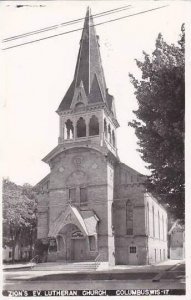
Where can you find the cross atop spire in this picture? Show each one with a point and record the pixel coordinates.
(89, 71)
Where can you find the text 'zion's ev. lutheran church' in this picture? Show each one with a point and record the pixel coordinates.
(91, 204)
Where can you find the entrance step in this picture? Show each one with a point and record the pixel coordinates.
(87, 266)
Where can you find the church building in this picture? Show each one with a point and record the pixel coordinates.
(91, 204)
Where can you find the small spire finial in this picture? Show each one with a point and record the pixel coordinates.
(89, 10)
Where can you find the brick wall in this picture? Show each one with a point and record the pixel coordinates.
(77, 168)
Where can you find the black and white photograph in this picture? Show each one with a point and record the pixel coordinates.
(93, 149)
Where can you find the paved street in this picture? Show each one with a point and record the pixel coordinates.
(84, 284)
(140, 277)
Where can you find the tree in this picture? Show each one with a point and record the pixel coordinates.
(159, 125)
(19, 215)
(31, 230)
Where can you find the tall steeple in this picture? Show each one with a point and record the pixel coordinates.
(87, 111)
(89, 75)
(88, 67)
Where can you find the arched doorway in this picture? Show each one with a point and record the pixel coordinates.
(72, 244)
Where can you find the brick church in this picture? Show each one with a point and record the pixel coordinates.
(91, 204)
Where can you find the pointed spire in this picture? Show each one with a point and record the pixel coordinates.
(88, 69)
(89, 60)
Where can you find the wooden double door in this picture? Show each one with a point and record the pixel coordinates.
(78, 249)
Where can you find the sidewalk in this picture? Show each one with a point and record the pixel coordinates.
(162, 266)
(18, 266)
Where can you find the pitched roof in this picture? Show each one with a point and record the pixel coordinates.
(88, 70)
(67, 100)
(86, 221)
(95, 92)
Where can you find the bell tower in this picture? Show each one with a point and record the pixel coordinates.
(82, 165)
(87, 111)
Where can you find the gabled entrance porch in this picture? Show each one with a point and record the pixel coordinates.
(75, 236)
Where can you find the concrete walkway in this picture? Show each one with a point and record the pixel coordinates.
(18, 266)
(162, 266)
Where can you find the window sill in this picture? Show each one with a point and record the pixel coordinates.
(95, 135)
(83, 204)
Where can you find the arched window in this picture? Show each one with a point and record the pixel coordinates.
(153, 212)
(112, 214)
(105, 128)
(81, 127)
(148, 229)
(94, 126)
(165, 228)
(92, 243)
(79, 106)
(109, 133)
(83, 196)
(113, 138)
(159, 223)
(69, 130)
(129, 218)
(72, 195)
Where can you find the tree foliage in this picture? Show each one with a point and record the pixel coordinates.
(159, 123)
(19, 215)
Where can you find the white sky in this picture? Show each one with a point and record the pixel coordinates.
(36, 76)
